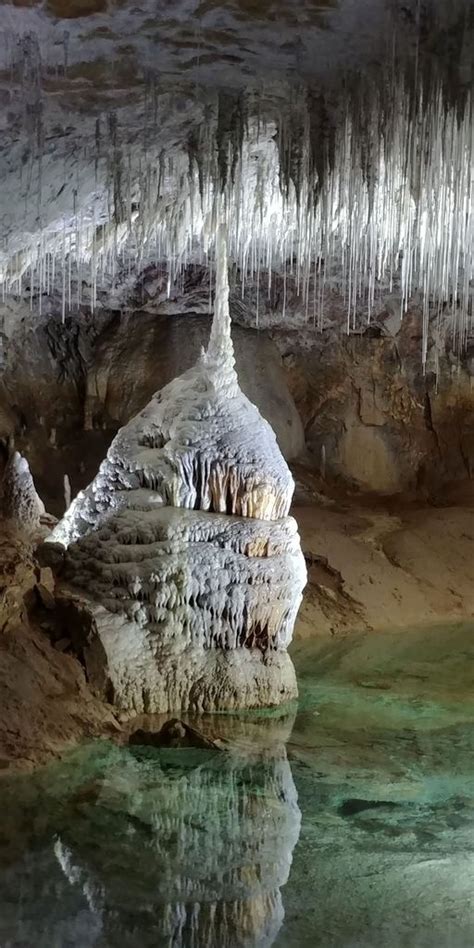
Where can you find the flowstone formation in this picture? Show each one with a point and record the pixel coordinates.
(192, 566)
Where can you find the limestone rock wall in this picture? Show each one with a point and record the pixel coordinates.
(362, 401)
(46, 704)
(372, 419)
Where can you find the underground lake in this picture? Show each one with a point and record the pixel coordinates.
(344, 819)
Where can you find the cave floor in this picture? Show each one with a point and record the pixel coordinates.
(377, 563)
(363, 794)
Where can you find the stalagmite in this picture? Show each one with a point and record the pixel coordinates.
(192, 566)
(19, 501)
(67, 492)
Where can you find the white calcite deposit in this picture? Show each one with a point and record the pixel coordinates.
(192, 566)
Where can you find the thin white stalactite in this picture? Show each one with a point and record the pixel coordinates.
(402, 222)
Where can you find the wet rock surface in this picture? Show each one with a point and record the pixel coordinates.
(173, 733)
(45, 703)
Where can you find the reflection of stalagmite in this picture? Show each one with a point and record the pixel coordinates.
(184, 544)
(215, 833)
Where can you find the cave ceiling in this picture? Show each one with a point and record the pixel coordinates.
(103, 100)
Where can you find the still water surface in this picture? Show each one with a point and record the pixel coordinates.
(345, 821)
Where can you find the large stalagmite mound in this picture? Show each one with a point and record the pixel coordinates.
(192, 566)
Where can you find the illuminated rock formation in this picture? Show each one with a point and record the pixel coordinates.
(19, 501)
(184, 545)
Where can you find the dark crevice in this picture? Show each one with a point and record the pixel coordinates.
(428, 417)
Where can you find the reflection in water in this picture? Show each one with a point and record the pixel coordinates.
(140, 848)
(178, 847)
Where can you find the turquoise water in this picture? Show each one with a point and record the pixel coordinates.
(345, 821)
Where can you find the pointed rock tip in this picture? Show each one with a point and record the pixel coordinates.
(220, 343)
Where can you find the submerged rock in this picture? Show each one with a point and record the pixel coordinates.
(174, 733)
(192, 566)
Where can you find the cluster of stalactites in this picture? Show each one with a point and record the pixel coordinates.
(198, 483)
(381, 202)
(219, 487)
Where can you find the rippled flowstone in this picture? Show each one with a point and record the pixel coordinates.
(193, 568)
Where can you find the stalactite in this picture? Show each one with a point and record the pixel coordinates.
(366, 194)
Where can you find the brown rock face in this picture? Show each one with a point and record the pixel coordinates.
(45, 702)
(373, 420)
(369, 416)
(71, 9)
(26, 3)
